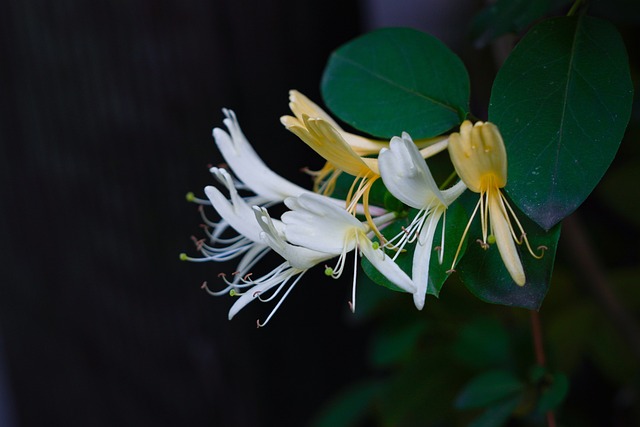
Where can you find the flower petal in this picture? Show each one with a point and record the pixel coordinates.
(298, 256)
(236, 212)
(385, 265)
(406, 175)
(422, 257)
(247, 165)
(317, 223)
(504, 239)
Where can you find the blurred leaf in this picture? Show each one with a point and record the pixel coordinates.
(614, 190)
(420, 394)
(505, 16)
(482, 344)
(393, 344)
(349, 407)
(497, 414)
(568, 333)
(397, 79)
(484, 274)
(487, 388)
(562, 101)
(553, 394)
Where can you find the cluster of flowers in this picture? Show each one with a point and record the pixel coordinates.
(317, 228)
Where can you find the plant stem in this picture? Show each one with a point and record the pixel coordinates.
(536, 332)
(586, 261)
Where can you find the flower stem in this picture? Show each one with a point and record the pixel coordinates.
(536, 332)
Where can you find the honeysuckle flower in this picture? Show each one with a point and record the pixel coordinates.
(298, 260)
(342, 150)
(321, 226)
(302, 106)
(480, 160)
(407, 177)
(323, 216)
(248, 166)
(237, 214)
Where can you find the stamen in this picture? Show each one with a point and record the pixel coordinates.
(464, 234)
(482, 244)
(504, 202)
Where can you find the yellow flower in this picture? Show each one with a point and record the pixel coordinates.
(480, 159)
(343, 151)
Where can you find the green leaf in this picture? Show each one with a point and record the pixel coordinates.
(393, 344)
(553, 394)
(498, 414)
(488, 388)
(483, 343)
(349, 407)
(456, 220)
(484, 274)
(562, 101)
(505, 16)
(394, 80)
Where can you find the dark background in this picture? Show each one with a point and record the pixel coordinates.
(107, 110)
(105, 125)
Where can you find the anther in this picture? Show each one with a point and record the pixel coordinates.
(450, 271)
(222, 275)
(483, 244)
(204, 285)
(198, 243)
(351, 307)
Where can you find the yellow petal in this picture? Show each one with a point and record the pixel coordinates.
(478, 155)
(324, 139)
(504, 239)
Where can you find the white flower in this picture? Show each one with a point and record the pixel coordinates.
(407, 177)
(248, 166)
(298, 260)
(234, 212)
(319, 225)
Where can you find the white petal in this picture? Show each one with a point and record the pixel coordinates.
(298, 256)
(248, 166)
(422, 257)
(385, 265)
(317, 223)
(280, 276)
(236, 212)
(453, 192)
(406, 175)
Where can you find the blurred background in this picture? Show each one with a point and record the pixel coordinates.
(107, 111)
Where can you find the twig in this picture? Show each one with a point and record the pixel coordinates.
(536, 332)
(586, 261)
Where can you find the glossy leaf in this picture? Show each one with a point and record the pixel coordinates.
(394, 80)
(562, 101)
(484, 274)
(505, 16)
